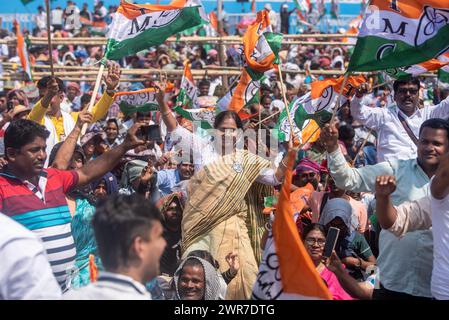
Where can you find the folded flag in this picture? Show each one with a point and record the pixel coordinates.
(260, 48)
(315, 108)
(243, 93)
(417, 69)
(139, 101)
(302, 5)
(400, 33)
(188, 87)
(22, 52)
(443, 74)
(204, 117)
(137, 27)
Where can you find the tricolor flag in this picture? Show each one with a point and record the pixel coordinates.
(205, 117)
(139, 101)
(443, 74)
(417, 69)
(260, 49)
(242, 93)
(213, 20)
(302, 5)
(260, 45)
(22, 52)
(287, 271)
(188, 87)
(315, 108)
(401, 33)
(137, 27)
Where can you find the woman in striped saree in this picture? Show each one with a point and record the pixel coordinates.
(223, 212)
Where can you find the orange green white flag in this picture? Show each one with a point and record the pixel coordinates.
(401, 33)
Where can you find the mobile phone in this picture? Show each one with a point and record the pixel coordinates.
(9, 106)
(150, 132)
(331, 241)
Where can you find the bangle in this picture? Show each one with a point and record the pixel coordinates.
(283, 163)
(166, 113)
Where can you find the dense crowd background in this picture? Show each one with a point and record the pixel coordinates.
(98, 181)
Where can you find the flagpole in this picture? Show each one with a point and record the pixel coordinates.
(290, 120)
(269, 117)
(50, 46)
(94, 95)
(362, 146)
(334, 112)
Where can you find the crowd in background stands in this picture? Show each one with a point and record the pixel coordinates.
(107, 224)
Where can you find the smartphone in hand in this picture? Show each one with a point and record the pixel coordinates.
(331, 241)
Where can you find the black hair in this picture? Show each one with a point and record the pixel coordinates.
(143, 114)
(288, 85)
(206, 255)
(55, 150)
(264, 97)
(435, 123)
(21, 132)
(204, 82)
(85, 98)
(114, 120)
(228, 115)
(346, 132)
(412, 80)
(43, 82)
(117, 221)
(313, 226)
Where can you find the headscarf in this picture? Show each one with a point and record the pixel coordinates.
(339, 208)
(307, 165)
(56, 148)
(164, 202)
(212, 281)
(132, 171)
(111, 183)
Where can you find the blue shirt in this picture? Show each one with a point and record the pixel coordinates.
(166, 180)
(405, 264)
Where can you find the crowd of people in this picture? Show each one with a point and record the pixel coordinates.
(113, 214)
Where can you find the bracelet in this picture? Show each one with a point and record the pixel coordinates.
(166, 113)
(283, 163)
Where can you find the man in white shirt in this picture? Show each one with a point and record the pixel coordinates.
(72, 17)
(25, 272)
(397, 126)
(41, 19)
(422, 214)
(128, 232)
(405, 263)
(56, 18)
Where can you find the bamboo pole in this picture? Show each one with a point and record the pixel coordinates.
(289, 117)
(93, 97)
(211, 71)
(50, 46)
(288, 39)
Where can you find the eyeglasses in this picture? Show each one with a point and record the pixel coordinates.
(312, 241)
(405, 90)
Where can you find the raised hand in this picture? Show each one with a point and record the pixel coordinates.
(112, 79)
(361, 90)
(131, 141)
(84, 117)
(385, 185)
(329, 137)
